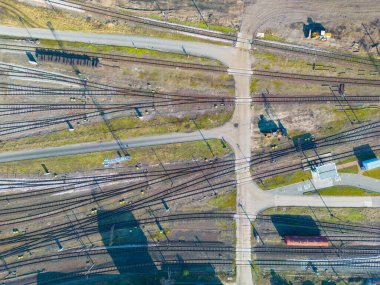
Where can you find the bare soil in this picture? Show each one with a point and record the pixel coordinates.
(221, 12)
(286, 19)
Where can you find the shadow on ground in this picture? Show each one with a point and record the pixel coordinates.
(363, 152)
(268, 126)
(128, 250)
(295, 225)
(312, 27)
(304, 142)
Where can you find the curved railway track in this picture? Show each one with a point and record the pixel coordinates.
(153, 200)
(349, 136)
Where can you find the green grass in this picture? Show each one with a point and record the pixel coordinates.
(224, 201)
(131, 51)
(347, 160)
(343, 191)
(350, 215)
(285, 179)
(92, 161)
(270, 37)
(374, 173)
(223, 29)
(277, 85)
(362, 114)
(63, 20)
(351, 169)
(123, 127)
(253, 86)
(198, 24)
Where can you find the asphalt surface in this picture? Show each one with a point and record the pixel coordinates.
(347, 179)
(104, 146)
(223, 53)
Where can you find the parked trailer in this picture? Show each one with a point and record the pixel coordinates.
(66, 58)
(306, 241)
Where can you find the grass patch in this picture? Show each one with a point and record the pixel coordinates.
(92, 161)
(341, 123)
(362, 114)
(347, 160)
(343, 191)
(131, 51)
(374, 173)
(351, 169)
(123, 127)
(64, 20)
(253, 86)
(224, 201)
(271, 37)
(285, 179)
(349, 215)
(198, 24)
(277, 85)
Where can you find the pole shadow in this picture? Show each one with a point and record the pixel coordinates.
(137, 261)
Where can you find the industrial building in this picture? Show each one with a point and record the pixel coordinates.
(327, 171)
(371, 163)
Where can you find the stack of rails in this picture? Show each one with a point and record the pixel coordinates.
(66, 58)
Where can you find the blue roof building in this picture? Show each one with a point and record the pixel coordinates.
(371, 163)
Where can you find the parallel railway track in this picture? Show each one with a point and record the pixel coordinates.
(310, 251)
(120, 250)
(316, 52)
(142, 267)
(69, 204)
(315, 78)
(113, 13)
(219, 69)
(350, 264)
(341, 227)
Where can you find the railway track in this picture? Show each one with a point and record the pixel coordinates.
(315, 78)
(331, 141)
(315, 52)
(109, 12)
(125, 58)
(152, 200)
(120, 250)
(258, 73)
(365, 265)
(23, 90)
(330, 226)
(155, 199)
(256, 175)
(355, 135)
(310, 251)
(141, 267)
(197, 185)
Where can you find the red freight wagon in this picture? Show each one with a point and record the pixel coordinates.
(306, 241)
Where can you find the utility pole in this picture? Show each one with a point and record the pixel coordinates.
(200, 14)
